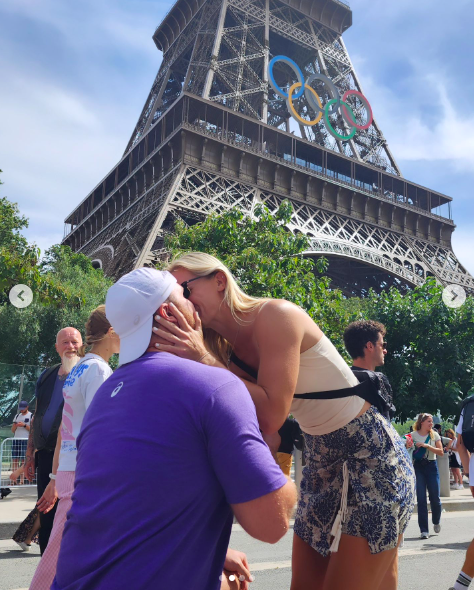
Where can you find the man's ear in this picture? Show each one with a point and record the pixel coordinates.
(369, 346)
(164, 311)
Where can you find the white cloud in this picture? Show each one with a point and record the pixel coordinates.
(463, 246)
(69, 105)
(410, 133)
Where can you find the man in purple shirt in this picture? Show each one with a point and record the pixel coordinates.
(153, 504)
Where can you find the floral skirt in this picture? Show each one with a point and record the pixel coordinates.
(358, 479)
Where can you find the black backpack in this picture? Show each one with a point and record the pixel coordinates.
(468, 423)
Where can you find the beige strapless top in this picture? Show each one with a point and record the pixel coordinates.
(322, 368)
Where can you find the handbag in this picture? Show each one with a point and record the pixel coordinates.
(419, 454)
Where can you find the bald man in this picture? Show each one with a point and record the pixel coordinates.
(47, 420)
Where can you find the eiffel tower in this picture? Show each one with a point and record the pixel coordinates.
(214, 134)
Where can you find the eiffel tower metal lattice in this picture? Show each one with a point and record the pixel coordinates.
(213, 134)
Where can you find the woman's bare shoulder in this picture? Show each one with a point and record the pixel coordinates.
(280, 312)
(271, 307)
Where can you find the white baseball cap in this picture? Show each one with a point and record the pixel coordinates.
(130, 305)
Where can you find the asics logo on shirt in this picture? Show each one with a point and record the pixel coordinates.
(117, 389)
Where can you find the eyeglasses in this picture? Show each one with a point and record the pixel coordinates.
(186, 291)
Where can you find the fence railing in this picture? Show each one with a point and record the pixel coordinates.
(17, 383)
(12, 459)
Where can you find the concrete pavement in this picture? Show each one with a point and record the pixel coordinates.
(431, 564)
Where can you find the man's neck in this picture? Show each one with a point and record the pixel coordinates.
(364, 363)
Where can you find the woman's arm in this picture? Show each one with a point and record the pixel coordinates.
(437, 450)
(278, 333)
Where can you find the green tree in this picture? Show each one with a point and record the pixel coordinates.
(27, 336)
(430, 362)
(19, 261)
(267, 260)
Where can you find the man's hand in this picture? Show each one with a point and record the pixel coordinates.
(29, 468)
(48, 499)
(236, 562)
(20, 424)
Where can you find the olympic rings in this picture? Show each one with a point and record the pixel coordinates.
(337, 103)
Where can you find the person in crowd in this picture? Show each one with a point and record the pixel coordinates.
(202, 459)
(465, 448)
(466, 574)
(344, 535)
(463, 581)
(20, 428)
(79, 389)
(27, 532)
(427, 447)
(47, 419)
(454, 460)
(365, 342)
(291, 437)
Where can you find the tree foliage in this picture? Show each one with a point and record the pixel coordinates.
(27, 336)
(430, 362)
(19, 261)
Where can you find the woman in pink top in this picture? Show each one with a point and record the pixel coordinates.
(79, 389)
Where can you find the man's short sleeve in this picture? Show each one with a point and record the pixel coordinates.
(459, 426)
(237, 452)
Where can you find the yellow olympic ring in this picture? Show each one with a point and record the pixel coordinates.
(292, 108)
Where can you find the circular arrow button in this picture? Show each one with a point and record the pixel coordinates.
(20, 296)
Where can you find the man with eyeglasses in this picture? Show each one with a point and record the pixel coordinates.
(364, 341)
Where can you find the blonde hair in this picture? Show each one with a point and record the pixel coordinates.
(419, 421)
(202, 265)
(450, 431)
(97, 327)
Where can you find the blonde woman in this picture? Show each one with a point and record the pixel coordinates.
(79, 390)
(427, 446)
(345, 536)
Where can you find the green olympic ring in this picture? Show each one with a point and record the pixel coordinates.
(331, 129)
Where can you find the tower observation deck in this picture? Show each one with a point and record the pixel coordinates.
(215, 134)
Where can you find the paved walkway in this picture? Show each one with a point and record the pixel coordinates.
(431, 564)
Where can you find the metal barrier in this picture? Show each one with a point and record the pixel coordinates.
(12, 457)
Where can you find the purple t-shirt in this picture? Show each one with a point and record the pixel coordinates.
(166, 445)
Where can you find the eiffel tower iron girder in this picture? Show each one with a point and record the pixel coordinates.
(201, 157)
(220, 50)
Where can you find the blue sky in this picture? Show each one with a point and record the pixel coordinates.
(75, 76)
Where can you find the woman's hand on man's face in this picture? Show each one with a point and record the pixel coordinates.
(183, 340)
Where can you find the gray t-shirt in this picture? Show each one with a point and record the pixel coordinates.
(417, 437)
